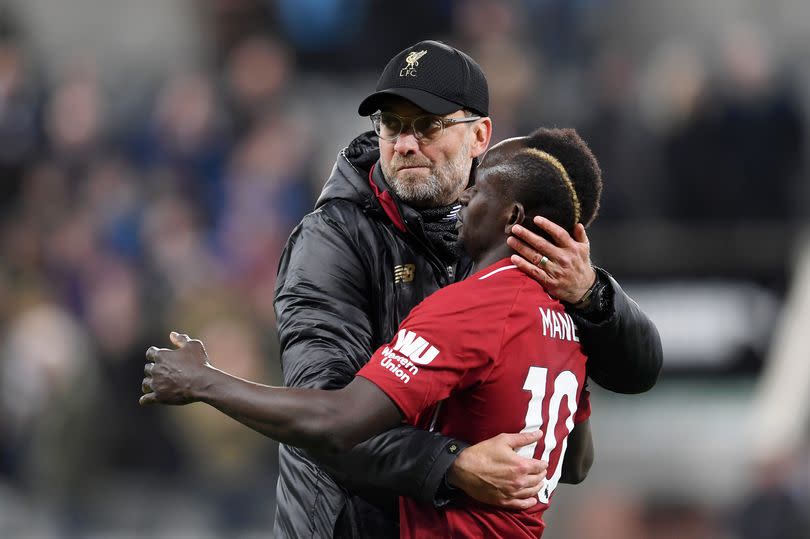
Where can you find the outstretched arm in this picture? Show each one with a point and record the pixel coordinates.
(330, 421)
(621, 342)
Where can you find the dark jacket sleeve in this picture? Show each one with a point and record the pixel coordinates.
(624, 348)
(323, 310)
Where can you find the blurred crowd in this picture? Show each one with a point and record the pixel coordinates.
(126, 212)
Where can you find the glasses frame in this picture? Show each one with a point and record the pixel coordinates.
(407, 123)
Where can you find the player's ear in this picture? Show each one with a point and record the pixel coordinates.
(516, 216)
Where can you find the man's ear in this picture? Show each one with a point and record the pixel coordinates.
(482, 131)
(516, 216)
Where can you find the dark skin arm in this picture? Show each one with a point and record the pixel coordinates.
(578, 455)
(331, 421)
(327, 420)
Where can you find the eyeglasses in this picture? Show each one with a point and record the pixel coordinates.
(426, 129)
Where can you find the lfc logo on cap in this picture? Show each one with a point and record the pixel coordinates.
(412, 60)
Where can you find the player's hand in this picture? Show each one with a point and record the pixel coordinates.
(565, 272)
(493, 473)
(172, 376)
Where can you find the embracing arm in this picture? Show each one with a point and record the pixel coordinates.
(621, 342)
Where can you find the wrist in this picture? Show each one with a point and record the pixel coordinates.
(586, 299)
(454, 477)
(599, 304)
(451, 478)
(200, 388)
(448, 489)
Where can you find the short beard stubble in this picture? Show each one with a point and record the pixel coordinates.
(440, 188)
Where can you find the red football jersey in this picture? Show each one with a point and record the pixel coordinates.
(491, 354)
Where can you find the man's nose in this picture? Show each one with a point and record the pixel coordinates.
(406, 143)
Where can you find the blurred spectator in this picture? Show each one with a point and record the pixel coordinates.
(777, 507)
(187, 136)
(50, 385)
(175, 248)
(477, 21)
(266, 194)
(116, 316)
(670, 517)
(46, 196)
(316, 25)
(674, 85)
(113, 199)
(369, 32)
(615, 131)
(606, 514)
(257, 76)
(18, 127)
(514, 89)
(749, 133)
(74, 117)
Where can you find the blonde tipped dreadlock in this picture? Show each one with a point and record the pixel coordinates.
(553, 161)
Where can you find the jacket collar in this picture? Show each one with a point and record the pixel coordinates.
(389, 204)
(349, 177)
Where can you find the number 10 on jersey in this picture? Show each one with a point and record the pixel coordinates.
(565, 385)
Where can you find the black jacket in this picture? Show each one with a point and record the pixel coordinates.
(350, 272)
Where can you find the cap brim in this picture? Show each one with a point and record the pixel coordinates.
(420, 98)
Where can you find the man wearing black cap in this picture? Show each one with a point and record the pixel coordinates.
(381, 239)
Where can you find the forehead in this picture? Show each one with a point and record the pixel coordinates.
(491, 179)
(494, 172)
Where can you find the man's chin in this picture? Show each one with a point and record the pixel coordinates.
(417, 174)
(407, 191)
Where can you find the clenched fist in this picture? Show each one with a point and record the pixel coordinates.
(173, 376)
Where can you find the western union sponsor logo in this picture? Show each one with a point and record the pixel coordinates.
(415, 347)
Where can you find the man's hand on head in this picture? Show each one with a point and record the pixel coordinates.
(174, 376)
(563, 266)
(493, 473)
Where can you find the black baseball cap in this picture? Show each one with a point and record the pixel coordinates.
(433, 76)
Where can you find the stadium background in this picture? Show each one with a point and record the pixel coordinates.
(154, 156)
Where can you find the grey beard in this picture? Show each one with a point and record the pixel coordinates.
(437, 189)
(418, 194)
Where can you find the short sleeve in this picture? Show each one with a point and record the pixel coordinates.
(439, 348)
